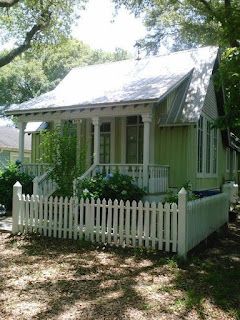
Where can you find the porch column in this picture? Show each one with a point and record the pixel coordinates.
(96, 143)
(21, 127)
(147, 119)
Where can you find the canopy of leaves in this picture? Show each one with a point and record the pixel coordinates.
(35, 21)
(183, 23)
(229, 75)
(44, 66)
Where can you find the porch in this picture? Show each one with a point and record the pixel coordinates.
(118, 139)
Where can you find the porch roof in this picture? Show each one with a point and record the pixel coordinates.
(128, 82)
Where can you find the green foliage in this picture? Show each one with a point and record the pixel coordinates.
(34, 21)
(229, 74)
(111, 186)
(21, 80)
(180, 24)
(8, 178)
(59, 148)
(172, 197)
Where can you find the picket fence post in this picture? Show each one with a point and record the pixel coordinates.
(17, 192)
(182, 223)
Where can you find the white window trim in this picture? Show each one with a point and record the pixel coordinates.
(204, 174)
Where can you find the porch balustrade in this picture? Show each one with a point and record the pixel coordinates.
(158, 176)
(35, 169)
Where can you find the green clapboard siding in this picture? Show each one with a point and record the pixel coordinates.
(171, 149)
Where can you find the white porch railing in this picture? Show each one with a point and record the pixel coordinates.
(44, 185)
(35, 169)
(158, 176)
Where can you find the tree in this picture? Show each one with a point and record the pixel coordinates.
(229, 74)
(35, 21)
(188, 22)
(41, 68)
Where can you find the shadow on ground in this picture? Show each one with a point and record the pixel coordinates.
(58, 279)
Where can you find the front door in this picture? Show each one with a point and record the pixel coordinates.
(134, 139)
(105, 142)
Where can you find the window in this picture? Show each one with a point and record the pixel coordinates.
(105, 142)
(200, 145)
(207, 148)
(215, 150)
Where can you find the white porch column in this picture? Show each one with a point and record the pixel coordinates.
(21, 127)
(96, 144)
(147, 119)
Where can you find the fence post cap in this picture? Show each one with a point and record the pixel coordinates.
(183, 191)
(35, 179)
(17, 184)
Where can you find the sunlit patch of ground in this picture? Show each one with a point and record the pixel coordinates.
(43, 278)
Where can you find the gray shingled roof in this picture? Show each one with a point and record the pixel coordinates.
(9, 138)
(131, 81)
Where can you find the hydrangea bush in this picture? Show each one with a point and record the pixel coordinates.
(110, 186)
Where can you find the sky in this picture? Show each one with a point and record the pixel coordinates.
(99, 28)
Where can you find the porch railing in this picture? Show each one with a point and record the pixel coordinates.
(35, 169)
(44, 185)
(158, 176)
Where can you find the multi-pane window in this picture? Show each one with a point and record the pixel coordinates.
(200, 145)
(214, 150)
(207, 147)
(105, 142)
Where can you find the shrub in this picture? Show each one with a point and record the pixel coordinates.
(8, 178)
(110, 186)
(59, 148)
(172, 197)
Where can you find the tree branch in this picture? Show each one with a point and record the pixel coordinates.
(7, 58)
(7, 3)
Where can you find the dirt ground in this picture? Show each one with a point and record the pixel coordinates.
(44, 278)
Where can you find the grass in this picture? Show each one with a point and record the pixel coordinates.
(43, 278)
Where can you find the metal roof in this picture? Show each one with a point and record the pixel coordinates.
(131, 81)
(9, 139)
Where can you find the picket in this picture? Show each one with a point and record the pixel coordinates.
(169, 227)
(60, 217)
(103, 222)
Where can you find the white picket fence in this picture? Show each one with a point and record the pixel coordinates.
(168, 227)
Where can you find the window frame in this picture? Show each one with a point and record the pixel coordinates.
(210, 138)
